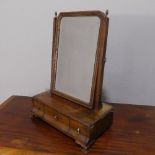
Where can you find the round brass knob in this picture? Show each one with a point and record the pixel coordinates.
(78, 130)
(55, 117)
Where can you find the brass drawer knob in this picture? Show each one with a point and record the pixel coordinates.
(78, 131)
(56, 117)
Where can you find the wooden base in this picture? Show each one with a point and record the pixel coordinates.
(81, 124)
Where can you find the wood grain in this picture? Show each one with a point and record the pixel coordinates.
(132, 132)
(12, 151)
(6, 102)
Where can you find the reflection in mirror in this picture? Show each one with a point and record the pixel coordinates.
(77, 46)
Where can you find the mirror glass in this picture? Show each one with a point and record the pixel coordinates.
(77, 44)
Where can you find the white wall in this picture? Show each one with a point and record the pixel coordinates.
(25, 47)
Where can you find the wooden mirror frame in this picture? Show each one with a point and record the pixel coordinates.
(96, 89)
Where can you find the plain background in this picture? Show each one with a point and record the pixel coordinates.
(25, 47)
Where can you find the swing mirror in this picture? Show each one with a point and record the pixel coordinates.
(78, 52)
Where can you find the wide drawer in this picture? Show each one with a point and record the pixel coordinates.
(56, 119)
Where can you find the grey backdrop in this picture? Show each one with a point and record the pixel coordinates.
(25, 47)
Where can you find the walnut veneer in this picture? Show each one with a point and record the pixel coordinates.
(80, 123)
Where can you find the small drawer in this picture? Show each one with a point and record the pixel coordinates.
(38, 108)
(56, 119)
(78, 130)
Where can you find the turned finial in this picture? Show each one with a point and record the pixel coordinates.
(55, 14)
(107, 12)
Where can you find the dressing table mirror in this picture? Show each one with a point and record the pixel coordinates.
(73, 104)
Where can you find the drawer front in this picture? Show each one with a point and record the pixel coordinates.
(78, 130)
(38, 108)
(56, 119)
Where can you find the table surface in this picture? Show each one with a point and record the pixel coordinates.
(132, 132)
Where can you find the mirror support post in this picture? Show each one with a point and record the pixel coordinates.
(53, 64)
(98, 90)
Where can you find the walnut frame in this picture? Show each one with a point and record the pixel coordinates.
(96, 89)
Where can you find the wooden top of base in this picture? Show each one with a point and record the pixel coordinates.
(75, 111)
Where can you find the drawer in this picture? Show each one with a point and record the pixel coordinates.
(78, 130)
(38, 108)
(56, 119)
